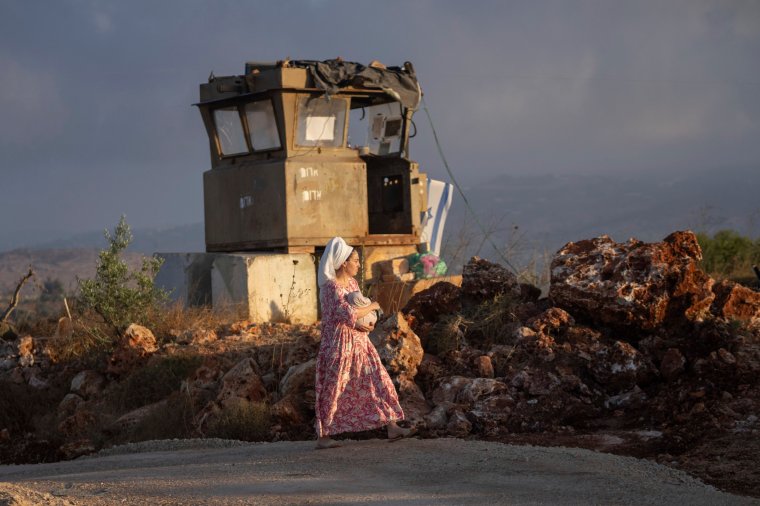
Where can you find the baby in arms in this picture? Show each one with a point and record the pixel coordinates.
(357, 300)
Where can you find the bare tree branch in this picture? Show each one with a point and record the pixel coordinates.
(14, 299)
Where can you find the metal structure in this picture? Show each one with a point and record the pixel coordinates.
(302, 151)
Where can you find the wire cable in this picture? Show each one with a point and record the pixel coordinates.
(486, 234)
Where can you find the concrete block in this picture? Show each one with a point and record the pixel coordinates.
(187, 277)
(266, 287)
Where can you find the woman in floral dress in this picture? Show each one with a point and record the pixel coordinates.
(354, 391)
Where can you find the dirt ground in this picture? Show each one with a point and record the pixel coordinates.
(408, 472)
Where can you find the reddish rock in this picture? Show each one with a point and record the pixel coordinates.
(673, 364)
(461, 390)
(427, 306)
(484, 366)
(78, 424)
(483, 280)
(458, 425)
(553, 318)
(242, 382)
(87, 384)
(135, 347)
(137, 416)
(5, 436)
(197, 336)
(299, 379)
(412, 401)
(69, 404)
(76, 449)
(398, 346)
(535, 382)
(288, 411)
(736, 302)
(437, 418)
(26, 351)
(632, 284)
(619, 366)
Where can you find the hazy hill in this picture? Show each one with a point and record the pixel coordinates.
(64, 265)
(549, 210)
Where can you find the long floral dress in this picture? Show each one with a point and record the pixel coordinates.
(354, 391)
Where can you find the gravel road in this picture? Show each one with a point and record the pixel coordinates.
(408, 472)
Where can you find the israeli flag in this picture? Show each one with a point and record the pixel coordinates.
(439, 196)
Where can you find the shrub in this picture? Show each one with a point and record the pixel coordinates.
(727, 254)
(117, 294)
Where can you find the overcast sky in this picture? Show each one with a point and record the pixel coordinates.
(95, 96)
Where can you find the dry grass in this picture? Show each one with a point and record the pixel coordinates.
(171, 321)
(489, 322)
(244, 421)
(446, 335)
(91, 339)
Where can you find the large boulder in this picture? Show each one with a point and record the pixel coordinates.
(398, 346)
(483, 280)
(632, 284)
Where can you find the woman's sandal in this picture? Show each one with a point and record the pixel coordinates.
(330, 443)
(407, 433)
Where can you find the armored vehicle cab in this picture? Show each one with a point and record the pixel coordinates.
(302, 151)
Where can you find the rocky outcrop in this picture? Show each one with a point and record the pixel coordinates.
(632, 284)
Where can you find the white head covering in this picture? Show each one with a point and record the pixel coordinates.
(336, 252)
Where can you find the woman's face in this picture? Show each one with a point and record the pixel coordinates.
(352, 265)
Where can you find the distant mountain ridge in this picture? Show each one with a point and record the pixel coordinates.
(146, 240)
(551, 210)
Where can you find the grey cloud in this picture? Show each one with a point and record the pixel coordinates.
(100, 92)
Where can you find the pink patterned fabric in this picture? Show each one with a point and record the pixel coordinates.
(354, 391)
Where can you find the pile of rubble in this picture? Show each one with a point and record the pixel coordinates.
(632, 336)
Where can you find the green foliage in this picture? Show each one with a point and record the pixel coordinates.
(727, 254)
(119, 295)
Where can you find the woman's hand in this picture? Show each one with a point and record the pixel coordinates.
(365, 328)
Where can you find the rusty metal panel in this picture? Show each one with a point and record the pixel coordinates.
(244, 203)
(325, 198)
(277, 78)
